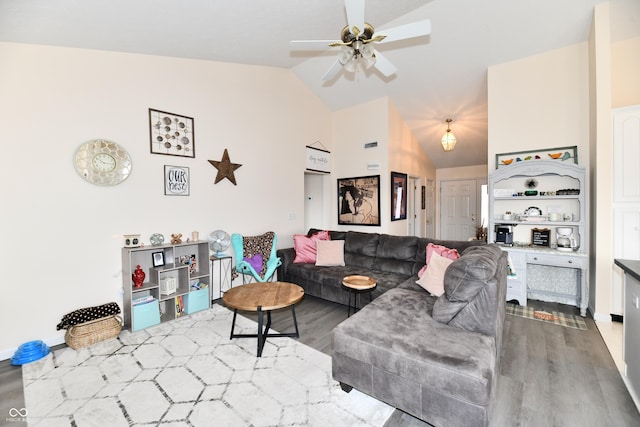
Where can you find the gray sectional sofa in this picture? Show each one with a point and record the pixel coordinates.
(436, 358)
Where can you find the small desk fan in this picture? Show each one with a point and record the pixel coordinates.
(219, 241)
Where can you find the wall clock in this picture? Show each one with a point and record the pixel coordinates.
(102, 162)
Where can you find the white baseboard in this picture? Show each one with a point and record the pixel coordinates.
(9, 352)
(632, 392)
(602, 317)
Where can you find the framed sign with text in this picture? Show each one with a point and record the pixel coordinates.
(318, 160)
(176, 181)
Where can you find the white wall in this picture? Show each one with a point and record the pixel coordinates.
(63, 236)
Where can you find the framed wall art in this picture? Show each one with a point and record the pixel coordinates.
(158, 258)
(359, 200)
(176, 181)
(398, 196)
(563, 154)
(171, 134)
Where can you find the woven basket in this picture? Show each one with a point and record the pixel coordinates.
(92, 332)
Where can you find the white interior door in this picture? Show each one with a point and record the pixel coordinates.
(412, 212)
(313, 201)
(458, 216)
(430, 210)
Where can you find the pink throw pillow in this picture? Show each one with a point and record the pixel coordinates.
(330, 252)
(305, 247)
(433, 278)
(443, 251)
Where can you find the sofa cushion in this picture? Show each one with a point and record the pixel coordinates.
(360, 248)
(470, 289)
(396, 254)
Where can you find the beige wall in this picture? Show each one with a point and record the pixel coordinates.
(406, 156)
(625, 73)
(540, 102)
(397, 151)
(63, 236)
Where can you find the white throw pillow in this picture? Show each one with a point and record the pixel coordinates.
(433, 278)
(330, 252)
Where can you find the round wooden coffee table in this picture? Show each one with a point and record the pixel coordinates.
(261, 297)
(357, 285)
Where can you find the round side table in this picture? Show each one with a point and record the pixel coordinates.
(357, 285)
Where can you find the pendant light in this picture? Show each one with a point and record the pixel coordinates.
(448, 139)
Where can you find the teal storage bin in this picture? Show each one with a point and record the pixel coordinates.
(196, 300)
(145, 315)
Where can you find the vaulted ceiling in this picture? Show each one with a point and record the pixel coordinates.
(440, 76)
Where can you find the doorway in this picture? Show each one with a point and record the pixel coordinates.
(313, 201)
(430, 209)
(458, 209)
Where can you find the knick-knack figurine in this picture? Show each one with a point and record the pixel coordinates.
(138, 277)
(176, 239)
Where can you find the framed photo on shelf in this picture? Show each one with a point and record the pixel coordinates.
(563, 154)
(398, 196)
(176, 181)
(158, 258)
(359, 200)
(171, 134)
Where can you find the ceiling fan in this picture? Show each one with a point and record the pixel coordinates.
(357, 39)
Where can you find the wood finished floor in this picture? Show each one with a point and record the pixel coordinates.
(549, 375)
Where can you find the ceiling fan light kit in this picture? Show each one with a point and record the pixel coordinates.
(357, 39)
(448, 139)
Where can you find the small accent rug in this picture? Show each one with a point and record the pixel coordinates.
(188, 372)
(555, 317)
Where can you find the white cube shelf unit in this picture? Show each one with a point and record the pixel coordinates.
(179, 287)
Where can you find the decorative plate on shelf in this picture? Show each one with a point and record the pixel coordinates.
(533, 211)
(102, 162)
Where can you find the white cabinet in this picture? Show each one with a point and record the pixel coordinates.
(541, 195)
(180, 286)
(626, 195)
(631, 325)
(517, 277)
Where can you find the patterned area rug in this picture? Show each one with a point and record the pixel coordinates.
(555, 317)
(188, 373)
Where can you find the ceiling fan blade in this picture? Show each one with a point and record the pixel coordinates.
(384, 65)
(355, 14)
(407, 31)
(333, 71)
(311, 44)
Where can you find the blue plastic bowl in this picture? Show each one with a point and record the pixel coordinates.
(30, 352)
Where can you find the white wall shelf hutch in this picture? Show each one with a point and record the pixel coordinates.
(558, 192)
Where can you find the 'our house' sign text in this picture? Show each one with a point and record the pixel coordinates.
(318, 160)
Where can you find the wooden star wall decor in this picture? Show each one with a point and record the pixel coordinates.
(225, 168)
